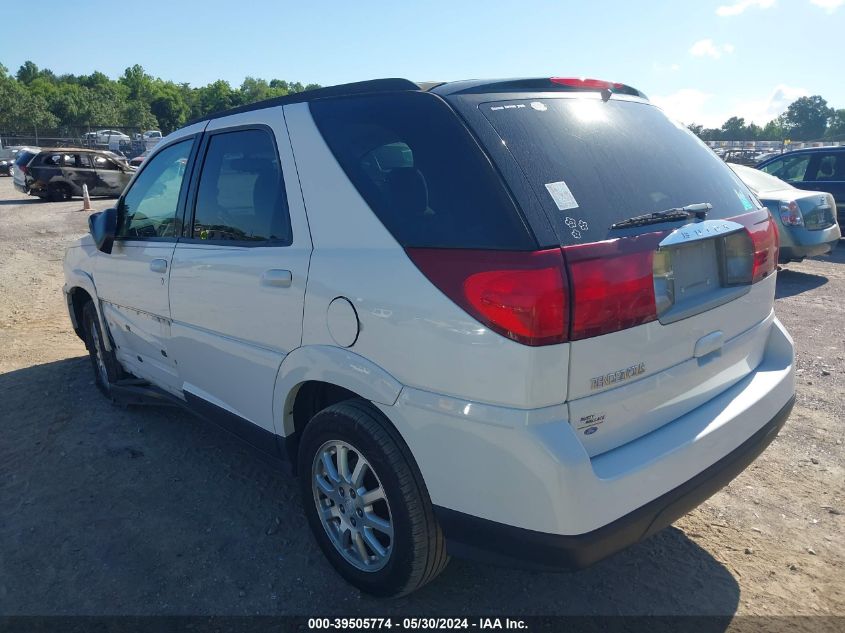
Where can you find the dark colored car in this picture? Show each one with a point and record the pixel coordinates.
(815, 169)
(58, 174)
(7, 159)
(741, 156)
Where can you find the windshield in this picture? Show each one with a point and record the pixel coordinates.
(593, 163)
(759, 181)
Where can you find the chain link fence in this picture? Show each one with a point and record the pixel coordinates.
(126, 140)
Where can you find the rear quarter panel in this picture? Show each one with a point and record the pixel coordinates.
(407, 326)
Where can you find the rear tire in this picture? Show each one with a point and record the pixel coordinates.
(58, 192)
(106, 368)
(385, 540)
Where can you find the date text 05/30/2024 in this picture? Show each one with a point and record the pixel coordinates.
(417, 624)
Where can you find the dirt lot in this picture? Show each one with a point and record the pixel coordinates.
(152, 511)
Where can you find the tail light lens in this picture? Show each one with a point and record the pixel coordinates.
(521, 295)
(790, 214)
(587, 84)
(577, 292)
(764, 237)
(612, 284)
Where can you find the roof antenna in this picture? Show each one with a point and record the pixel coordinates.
(605, 94)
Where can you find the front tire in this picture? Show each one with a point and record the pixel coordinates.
(366, 502)
(106, 368)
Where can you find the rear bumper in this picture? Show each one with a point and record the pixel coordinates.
(803, 243)
(473, 537)
(499, 475)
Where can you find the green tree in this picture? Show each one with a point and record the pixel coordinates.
(806, 118)
(27, 72)
(774, 130)
(170, 106)
(214, 97)
(734, 129)
(836, 126)
(138, 83)
(696, 129)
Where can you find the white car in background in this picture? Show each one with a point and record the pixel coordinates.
(105, 137)
(462, 340)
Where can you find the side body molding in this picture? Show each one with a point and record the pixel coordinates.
(330, 364)
(78, 278)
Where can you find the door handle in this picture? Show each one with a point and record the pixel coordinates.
(277, 278)
(158, 265)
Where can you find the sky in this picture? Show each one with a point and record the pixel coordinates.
(701, 60)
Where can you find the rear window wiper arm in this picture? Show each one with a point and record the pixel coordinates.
(698, 211)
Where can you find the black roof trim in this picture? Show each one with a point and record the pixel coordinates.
(358, 87)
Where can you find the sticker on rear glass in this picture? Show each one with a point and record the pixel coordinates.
(745, 200)
(562, 196)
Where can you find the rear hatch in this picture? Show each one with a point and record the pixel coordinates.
(22, 161)
(664, 313)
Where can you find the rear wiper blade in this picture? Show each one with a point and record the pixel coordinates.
(697, 211)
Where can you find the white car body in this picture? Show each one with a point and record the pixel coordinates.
(495, 426)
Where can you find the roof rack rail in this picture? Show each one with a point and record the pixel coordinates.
(358, 87)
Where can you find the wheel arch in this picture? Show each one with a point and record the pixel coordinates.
(316, 376)
(79, 289)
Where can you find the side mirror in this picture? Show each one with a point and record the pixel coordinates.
(103, 227)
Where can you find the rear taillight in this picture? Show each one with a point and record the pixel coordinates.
(790, 214)
(521, 295)
(612, 284)
(764, 238)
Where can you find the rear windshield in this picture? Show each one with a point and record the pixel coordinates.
(24, 157)
(593, 163)
(421, 171)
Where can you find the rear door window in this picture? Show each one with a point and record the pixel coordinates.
(421, 172)
(241, 194)
(593, 163)
(827, 167)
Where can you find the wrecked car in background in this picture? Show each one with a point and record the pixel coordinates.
(58, 174)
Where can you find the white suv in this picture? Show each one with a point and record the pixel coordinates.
(527, 320)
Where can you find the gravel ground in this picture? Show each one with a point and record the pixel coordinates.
(152, 511)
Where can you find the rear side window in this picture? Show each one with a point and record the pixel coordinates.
(593, 163)
(421, 172)
(241, 195)
(101, 162)
(828, 167)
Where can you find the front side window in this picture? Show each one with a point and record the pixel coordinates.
(241, 194)
(149, 208)
(788, 168)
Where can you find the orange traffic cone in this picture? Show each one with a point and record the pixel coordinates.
(86, 199)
